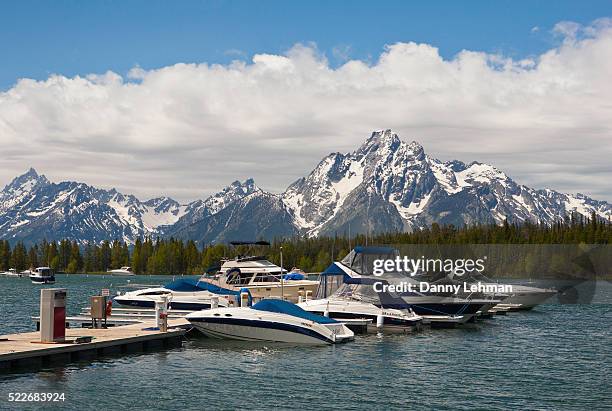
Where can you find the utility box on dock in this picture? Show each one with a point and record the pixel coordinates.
(52, 315)
(98, 310)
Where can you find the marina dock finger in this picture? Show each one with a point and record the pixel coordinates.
(24, 350)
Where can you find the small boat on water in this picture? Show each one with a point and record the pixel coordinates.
(182, 294)
(12, 273)
(123, 271)
(270, 320)
(42, 275)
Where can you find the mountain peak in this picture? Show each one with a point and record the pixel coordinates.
(378, 139)
(380, 136)
(26, 181)
(31, 172)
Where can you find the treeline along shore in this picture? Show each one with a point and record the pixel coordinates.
(172, 256)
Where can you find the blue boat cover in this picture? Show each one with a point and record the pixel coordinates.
(333, 269)
(293, 276)
(185, 284)
(285, 307)
(373, 250)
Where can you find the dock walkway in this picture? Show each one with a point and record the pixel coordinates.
(24, 350)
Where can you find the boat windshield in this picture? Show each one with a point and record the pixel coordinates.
(236, 277)
(361, 259)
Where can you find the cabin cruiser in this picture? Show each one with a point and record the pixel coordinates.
(262, 278)
(355, 270)
(12, 273)
(123, 271)
(42, 275)
(523, 297)
(182, 294)
(342, 306)
(520, 297)
(270, 320)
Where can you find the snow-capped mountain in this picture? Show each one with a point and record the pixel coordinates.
(256, 215)
(388, 184)
(241, 210)
(384, 185)
(32, 208)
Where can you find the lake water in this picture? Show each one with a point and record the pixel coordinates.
(554, 357)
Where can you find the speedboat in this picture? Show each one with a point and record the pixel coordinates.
(123, 271)
(12, 273)
(42, 275)
(262, 278)
(270, 320)
(381, 319)
(182, 294)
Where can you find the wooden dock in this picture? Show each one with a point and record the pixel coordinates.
(24, 350)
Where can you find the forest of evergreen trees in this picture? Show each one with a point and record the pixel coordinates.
(172, 256)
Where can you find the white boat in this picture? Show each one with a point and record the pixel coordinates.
(382, 319)
(42, 275)
(123, 271)
(270, 320)
(182, 294)
(262, 278)
(522, 297)
(12, 273)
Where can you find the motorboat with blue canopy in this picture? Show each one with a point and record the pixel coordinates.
(182, 294)
(270, 320)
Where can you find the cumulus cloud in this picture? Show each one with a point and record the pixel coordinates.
(187, 130)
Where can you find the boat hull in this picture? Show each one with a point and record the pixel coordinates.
(173, 305)
(393, 321)
(528, 301)
(42, 280)
(445, 308)
(254, 330)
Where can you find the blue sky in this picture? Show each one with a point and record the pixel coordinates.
(522, 85)
(39, 38)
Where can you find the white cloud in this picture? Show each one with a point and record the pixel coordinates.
(189, 129)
